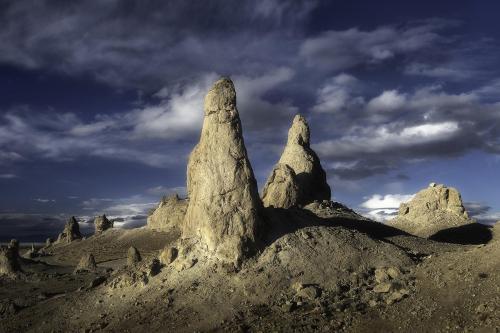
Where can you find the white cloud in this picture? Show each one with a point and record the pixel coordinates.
(162, 190)
(452, 71)
(42, 200)
(337, 94)
(8, 176)
(389, 100)
(384, 207)
(340, 50)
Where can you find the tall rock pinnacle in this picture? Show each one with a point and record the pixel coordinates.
(224, 204)
(310, 176)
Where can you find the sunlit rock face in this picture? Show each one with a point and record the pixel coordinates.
(431, 210)
(169, 214)
(224, 205)
(281, 189)
(298, 155)
(9, 264)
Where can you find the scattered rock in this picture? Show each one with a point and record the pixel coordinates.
(102, 223)
(281, 189)
(86, 264)
(383, 287)
(298, 155)
(133, 256)
(97, 282)
(169, 213)
(431, 210)
(310, 292)
(168, 255)
(224, 204)
(381, 275)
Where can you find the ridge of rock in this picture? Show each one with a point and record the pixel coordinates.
(224, 205)
(433, 209)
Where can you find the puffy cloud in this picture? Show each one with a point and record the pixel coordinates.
(337, 94)
(389, 100)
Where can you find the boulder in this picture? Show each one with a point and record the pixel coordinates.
(169, 213)
(298, 155)
(168, 255)
(102, 223)
(86, 264)
(433, 209)
(133, 256)
(70, 233)
(281, 189)
(224, 205)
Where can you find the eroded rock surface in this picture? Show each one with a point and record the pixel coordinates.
(298, 155)
(133, 256)
(169, 213)
(281, 189)
(431, 210)
(102, 223)
(70, 233)
(224, 204)
(86, 264)
(9, 264)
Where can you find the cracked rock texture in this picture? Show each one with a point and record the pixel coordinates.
(433, 209)
(224, 204)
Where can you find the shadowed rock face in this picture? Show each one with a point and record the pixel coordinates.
(169, 213)
(71, 231)
(431, 210)
(101, 224)
(281, 189)
(86, 263)
(224, 204)
(298, 155)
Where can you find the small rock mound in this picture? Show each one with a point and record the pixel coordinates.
(281, 189)
(86, 264)
(133, 256)
(224, 205)
(9, 264)
(299, 156)
(70, 233)
(433, 209)
(169, 213)
(101, 224)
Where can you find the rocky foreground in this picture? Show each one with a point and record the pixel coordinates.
(227, 260)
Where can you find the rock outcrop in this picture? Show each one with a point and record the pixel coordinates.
(433, 209)
(169, 213)
(86, 264)
(9, 264)
(133, 256)
(14, 245)
(309, 174)
(224, 204)
(70, 233)
(101, 224)
(282, 189)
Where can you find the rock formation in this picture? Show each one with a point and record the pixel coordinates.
(431, 210)
(133, 256)
(281, 189)
(102, 223)
(86, 264)
(169, 213)
(70, 233)
(168, 255)
(310, 176)
(224, 204)
(14, 245)
(9, 264)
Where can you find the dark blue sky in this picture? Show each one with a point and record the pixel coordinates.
(101, 101)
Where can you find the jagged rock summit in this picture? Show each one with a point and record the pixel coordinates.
(71, 231)
(431, 210)
(169, 213)
(307, 173)
(101, 223)
(224, 204)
